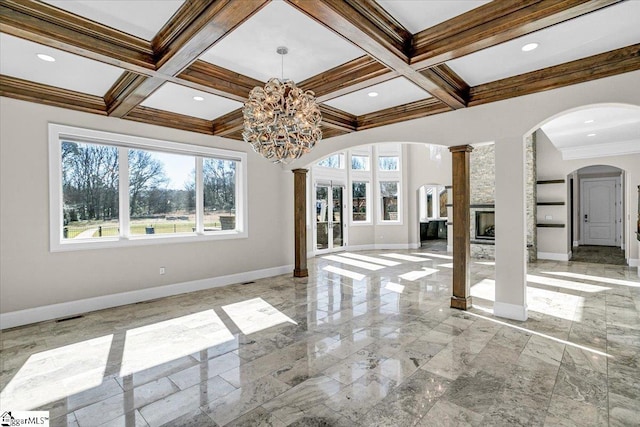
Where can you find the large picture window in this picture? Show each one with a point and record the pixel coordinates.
(115, 190)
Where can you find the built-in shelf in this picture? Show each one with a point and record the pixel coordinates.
(550, 203)
(483, 242)
(550, 181)
(543, 225)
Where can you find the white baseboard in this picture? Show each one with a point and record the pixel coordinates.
(71, 308)
(554, 256)
(633, 262)
(380, 246)
(449, 248)
(510, 311)
(576, 243)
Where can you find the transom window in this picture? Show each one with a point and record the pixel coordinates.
(112, 190)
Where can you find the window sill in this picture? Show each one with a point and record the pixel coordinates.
(157, 239)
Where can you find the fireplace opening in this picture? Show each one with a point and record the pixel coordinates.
(486, 225)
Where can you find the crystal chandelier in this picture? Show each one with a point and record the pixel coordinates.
(281, 121)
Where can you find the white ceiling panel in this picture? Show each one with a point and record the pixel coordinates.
(251, 49)
(179, 99)
(596, 132)
(18, 59)
(391, 93)
(141, 18)
(597, 32)
(417, 15)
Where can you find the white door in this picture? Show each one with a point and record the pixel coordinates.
(330, 226)
(599, 211)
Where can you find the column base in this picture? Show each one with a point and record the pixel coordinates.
(510, 311)
(301, 273)
(461, 303)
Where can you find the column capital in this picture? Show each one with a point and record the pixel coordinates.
(302, 171)
(456, 148)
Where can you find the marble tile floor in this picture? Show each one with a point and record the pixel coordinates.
(367, 340)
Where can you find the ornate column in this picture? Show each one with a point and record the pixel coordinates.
(461, 226)
(300, 222)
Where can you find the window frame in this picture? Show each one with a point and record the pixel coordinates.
(367, 196)
(59, 133)
(381, 220)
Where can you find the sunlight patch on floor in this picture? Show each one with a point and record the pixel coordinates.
(353, 262)
(255, 315)
(405, 257)
(492, 263)
(342, 272)
(556, 304)
(418, 274)
(161, 342)
(529, 331)
(374, 260)
(608, 280)
(447, 265)
(395, 287)
(432, 255)
(566, 284)
(44, 378)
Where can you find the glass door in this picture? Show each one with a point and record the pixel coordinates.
(329, 212)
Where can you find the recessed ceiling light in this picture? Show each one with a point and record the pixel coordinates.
(529, 47)
(589, 121)
(373, 94)
(591, 134)
(46, 58)
(198, 98)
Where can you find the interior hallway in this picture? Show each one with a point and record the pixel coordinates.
(369, 339)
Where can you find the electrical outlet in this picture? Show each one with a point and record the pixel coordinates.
(162, 270)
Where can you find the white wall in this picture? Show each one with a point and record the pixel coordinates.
(552, 166)
(31, 276)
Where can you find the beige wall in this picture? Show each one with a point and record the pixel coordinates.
(31, 276)
(552, 166)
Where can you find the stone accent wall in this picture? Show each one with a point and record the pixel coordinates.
(482, 168)
(532, 197)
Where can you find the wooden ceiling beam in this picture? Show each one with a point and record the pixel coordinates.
(25, 90)
(491, 24)
(346, 78)
(331, 118)
(401, 113)
(337, 119)
(594, 67)
(193, 29)
(229, 123)
(169, 119)
(346, 19)
(218, 80)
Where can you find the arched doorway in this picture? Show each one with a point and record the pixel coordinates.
(597, 206)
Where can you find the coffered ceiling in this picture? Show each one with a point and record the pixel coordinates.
(191, 64)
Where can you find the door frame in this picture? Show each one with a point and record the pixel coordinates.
(618, 192)
(330, 248)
